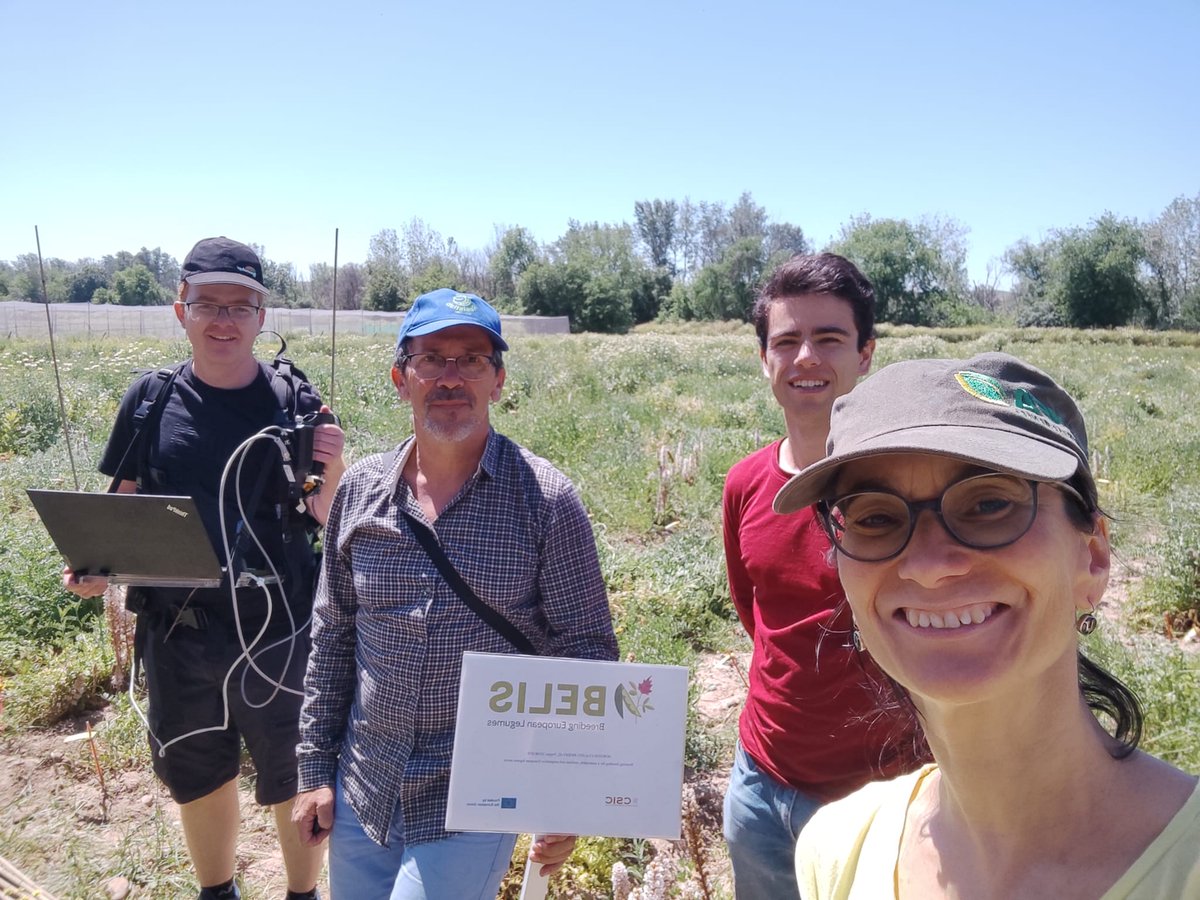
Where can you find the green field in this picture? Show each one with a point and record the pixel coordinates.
(646, 425)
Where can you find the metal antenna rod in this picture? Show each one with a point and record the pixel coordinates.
(333, 327)
(62, 406)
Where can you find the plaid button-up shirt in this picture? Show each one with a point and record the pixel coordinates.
(388, 633)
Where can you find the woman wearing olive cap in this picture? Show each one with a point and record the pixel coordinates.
(969, 541)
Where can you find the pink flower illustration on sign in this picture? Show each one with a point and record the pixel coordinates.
(634, 698)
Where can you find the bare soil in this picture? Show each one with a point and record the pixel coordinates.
(75, 840)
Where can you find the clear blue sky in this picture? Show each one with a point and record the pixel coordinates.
(155, 124)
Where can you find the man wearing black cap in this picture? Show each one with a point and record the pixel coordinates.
(175, 432)
(389, 629)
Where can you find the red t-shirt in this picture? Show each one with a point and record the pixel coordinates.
(810, 719)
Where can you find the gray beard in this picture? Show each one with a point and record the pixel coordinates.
(450, 433)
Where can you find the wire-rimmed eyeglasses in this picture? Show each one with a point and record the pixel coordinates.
(237, 312)
(471, 366)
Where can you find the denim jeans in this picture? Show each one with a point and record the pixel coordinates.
(763, 818)
(464, 866)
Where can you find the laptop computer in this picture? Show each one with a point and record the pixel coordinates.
(142, 539)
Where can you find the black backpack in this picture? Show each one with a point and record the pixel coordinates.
(284, 375)
(301, 532)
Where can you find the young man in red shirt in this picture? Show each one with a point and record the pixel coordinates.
(809, 732)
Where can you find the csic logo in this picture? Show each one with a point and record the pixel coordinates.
(461, 303)
(620, 801)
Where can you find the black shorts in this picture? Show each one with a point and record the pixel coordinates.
(200, 711)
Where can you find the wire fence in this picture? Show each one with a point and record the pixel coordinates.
(22, 319)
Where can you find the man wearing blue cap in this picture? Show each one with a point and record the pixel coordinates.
(517, 571)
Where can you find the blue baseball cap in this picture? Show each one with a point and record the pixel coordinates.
(445, 308)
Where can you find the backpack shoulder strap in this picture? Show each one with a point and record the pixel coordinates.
(151, 406)
(285, 377)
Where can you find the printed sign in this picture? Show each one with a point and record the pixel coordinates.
(568, 746)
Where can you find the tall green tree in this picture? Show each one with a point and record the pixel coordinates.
(685, 252)
(136, 286)
(387, 283)
(591, 274)
(473, 271)
(1172, 243)
(785, 240)
(727, 288)
(83, 283)
(351, 280)
(282, 281)
(26, 282)
(1033, 267)
(1082, 277)
(918, 279)
(656, 230)
(593, 301)
(747, 219)
(515, 251)
(163, 266)
(115, 262)
(1098, 281)
(438, 272)
(713, 234)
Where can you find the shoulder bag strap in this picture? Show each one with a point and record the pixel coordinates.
(496, 620)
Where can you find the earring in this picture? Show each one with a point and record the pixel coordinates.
(1087, 623)
(856, 639)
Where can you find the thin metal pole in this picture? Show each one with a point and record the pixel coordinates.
(333, 325)
(62, 406)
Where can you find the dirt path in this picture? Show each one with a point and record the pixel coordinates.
(74, 840)
(61, 831)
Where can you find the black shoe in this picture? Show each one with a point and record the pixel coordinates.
(227, 891)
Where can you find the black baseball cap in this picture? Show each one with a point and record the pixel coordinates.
(222, 260)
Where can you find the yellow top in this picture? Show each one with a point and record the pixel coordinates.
(848, 850)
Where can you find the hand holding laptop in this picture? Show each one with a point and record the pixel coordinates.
(86, 586)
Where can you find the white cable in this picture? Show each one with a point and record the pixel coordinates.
(251, 660)
(270, 433)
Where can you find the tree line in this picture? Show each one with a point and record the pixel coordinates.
(685, 260)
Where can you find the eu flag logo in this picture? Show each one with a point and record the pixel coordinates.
(508, 802)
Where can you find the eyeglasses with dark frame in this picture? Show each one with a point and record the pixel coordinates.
(983, 512)
(237, 312)
(471, 366)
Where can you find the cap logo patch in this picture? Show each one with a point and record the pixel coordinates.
(461, 303)
(247, 270)
(985, 387)
(988, 389)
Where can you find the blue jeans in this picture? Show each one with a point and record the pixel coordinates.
(763, 818)
(464, 866)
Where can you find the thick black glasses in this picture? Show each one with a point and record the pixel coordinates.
(207, 312)
(983, 512)
(471, 366)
